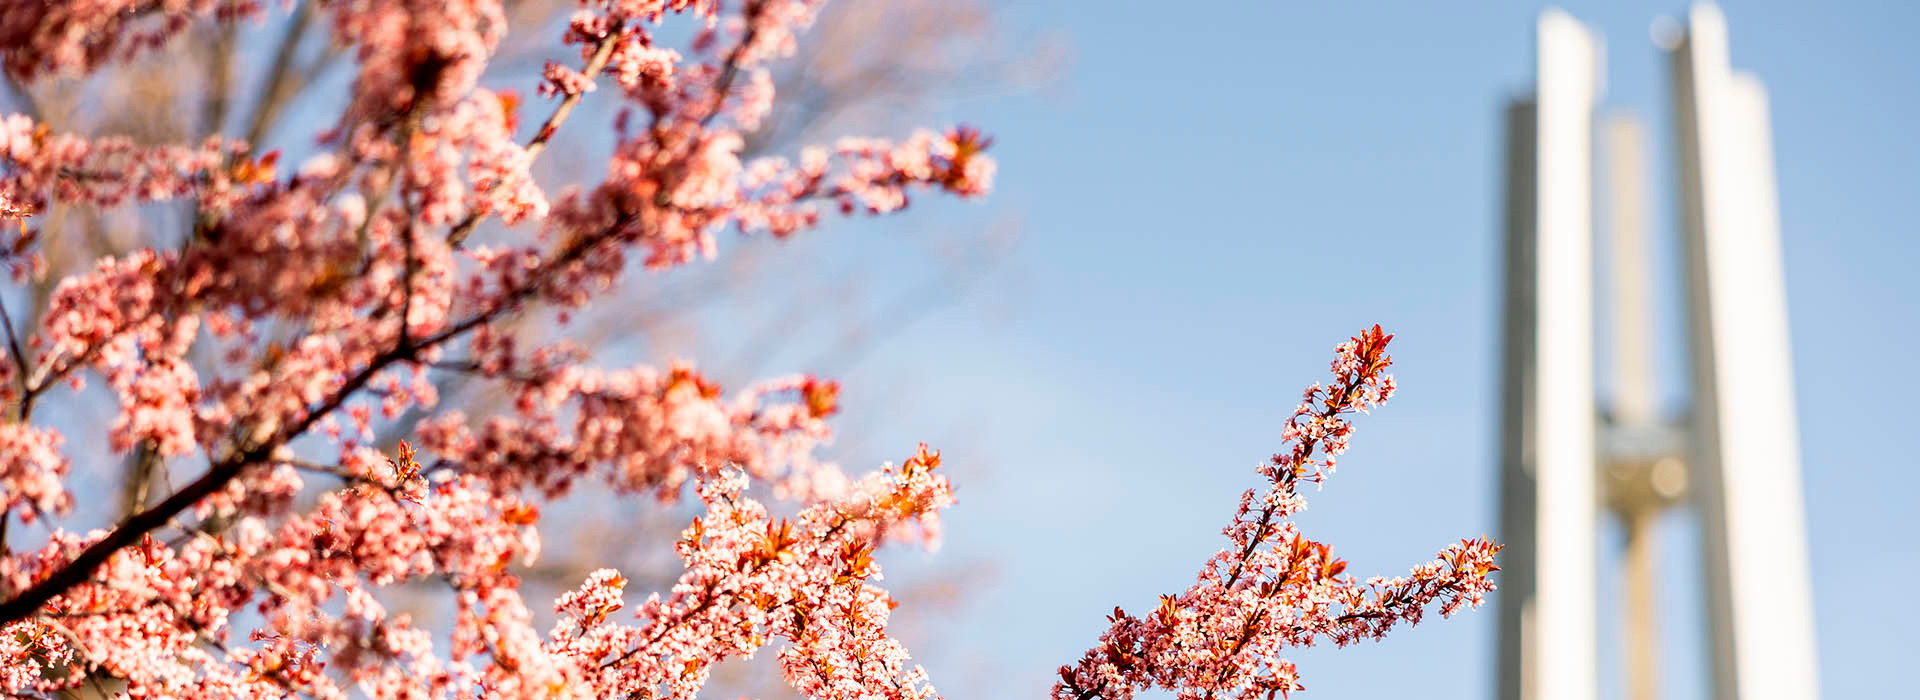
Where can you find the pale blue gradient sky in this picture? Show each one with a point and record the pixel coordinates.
(1217, 193)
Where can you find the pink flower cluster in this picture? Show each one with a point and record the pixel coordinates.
(51, 36)
(32, 473)
(752, 578)
(1273, 588)
(417, 55)
(104, 172)
(466, 163)
(643, 431)
(873, 176)
(304, 586)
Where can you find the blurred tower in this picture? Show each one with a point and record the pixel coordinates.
(1734, 460)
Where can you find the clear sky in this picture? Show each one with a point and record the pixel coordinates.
(1217, 193)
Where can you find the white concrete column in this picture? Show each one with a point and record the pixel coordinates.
(1549, 505)
(1568, 56)
(1746, 441)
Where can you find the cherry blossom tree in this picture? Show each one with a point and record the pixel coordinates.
(867, 66)
(339, 291)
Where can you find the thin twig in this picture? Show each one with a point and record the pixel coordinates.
(732, 68)
(213, 107)
(406, 280)
(278, 90)
(602, 52)
(19, 357)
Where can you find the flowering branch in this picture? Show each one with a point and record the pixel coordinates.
(1273, 588)
(596, 62)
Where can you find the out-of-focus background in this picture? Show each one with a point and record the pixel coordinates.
(1194, 205)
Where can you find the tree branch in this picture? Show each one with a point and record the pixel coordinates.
(281, 83)
(129, 531)
(602, 52)
(19, 357)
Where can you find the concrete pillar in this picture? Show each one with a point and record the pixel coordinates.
(1550, 508)
(1746, 450)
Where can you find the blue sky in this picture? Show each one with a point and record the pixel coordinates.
(1213, 195)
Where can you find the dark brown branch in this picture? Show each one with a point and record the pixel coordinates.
(19, 356)
(130, 530)
(1260, 531)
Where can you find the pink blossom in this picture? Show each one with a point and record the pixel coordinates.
(106, 172)
(32, 472)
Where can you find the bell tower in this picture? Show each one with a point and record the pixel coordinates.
(1569, 458)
